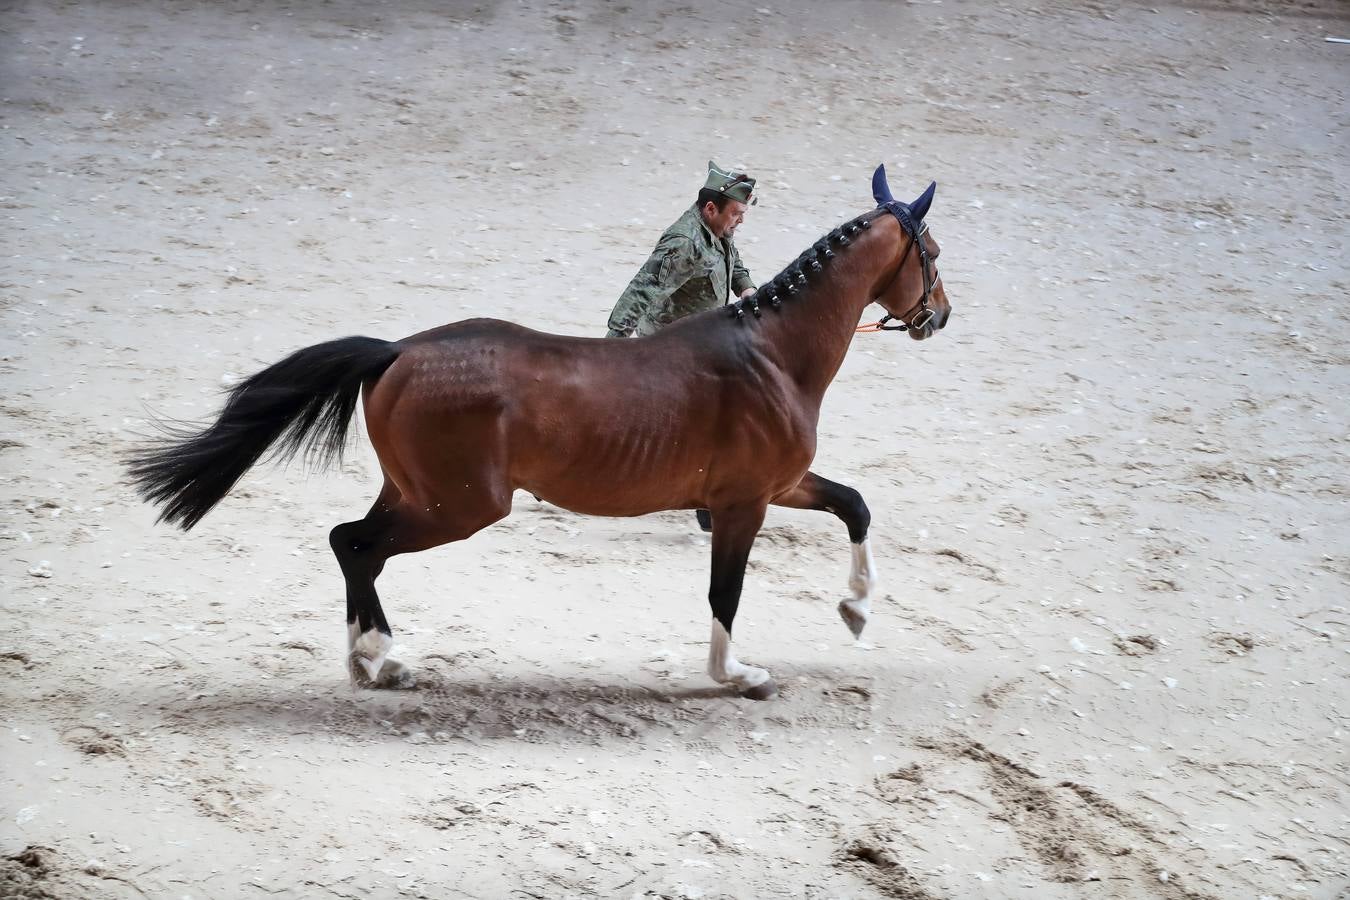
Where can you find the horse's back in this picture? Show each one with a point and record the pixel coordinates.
(487, 365)
(494, 349)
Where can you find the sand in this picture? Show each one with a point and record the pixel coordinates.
(1109, 501)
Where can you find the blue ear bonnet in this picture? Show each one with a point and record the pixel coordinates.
(910, 215)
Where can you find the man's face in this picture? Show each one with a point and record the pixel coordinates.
(723, 224)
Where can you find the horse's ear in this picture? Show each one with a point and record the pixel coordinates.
(881, 191)
(919, 208)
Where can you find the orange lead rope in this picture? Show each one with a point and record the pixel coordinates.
(881, 325)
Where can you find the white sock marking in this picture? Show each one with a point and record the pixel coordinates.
(862, 580)
(371, 649)
(724, 668)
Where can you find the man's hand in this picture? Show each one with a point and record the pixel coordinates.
(747, 292)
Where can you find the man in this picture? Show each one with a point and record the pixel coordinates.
(692, 266)
(694, 262)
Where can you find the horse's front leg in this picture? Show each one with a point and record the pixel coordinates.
(734, 531)
(814, 492)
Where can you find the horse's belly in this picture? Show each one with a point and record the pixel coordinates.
(615, 489)
(608, 504)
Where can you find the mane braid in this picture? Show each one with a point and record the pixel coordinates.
(810, 262)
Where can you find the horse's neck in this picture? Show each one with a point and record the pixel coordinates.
(811, 332)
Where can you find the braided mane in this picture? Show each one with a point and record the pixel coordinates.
(809, 264)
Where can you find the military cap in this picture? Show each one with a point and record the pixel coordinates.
(736, 185)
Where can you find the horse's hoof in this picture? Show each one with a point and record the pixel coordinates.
(854, 618)
(761, 691)
(395, 676)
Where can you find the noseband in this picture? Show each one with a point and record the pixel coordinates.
(924, 313)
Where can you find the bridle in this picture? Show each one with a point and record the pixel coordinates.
(924, 314)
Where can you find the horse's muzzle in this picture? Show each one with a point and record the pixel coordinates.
(931, 325)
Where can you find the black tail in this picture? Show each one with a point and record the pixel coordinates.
(305, 401)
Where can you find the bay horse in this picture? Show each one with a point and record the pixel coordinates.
(716, 411)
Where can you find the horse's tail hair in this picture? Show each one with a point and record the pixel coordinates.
(304, 402)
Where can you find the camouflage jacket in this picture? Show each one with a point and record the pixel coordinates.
(688, 272)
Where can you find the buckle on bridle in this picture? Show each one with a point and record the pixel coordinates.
(922, 319)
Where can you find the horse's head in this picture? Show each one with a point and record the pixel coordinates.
(915, 296)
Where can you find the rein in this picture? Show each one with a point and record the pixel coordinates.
(924, 314)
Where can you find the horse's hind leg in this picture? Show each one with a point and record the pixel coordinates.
(814, 492)
(359, 547)
(393, 526)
